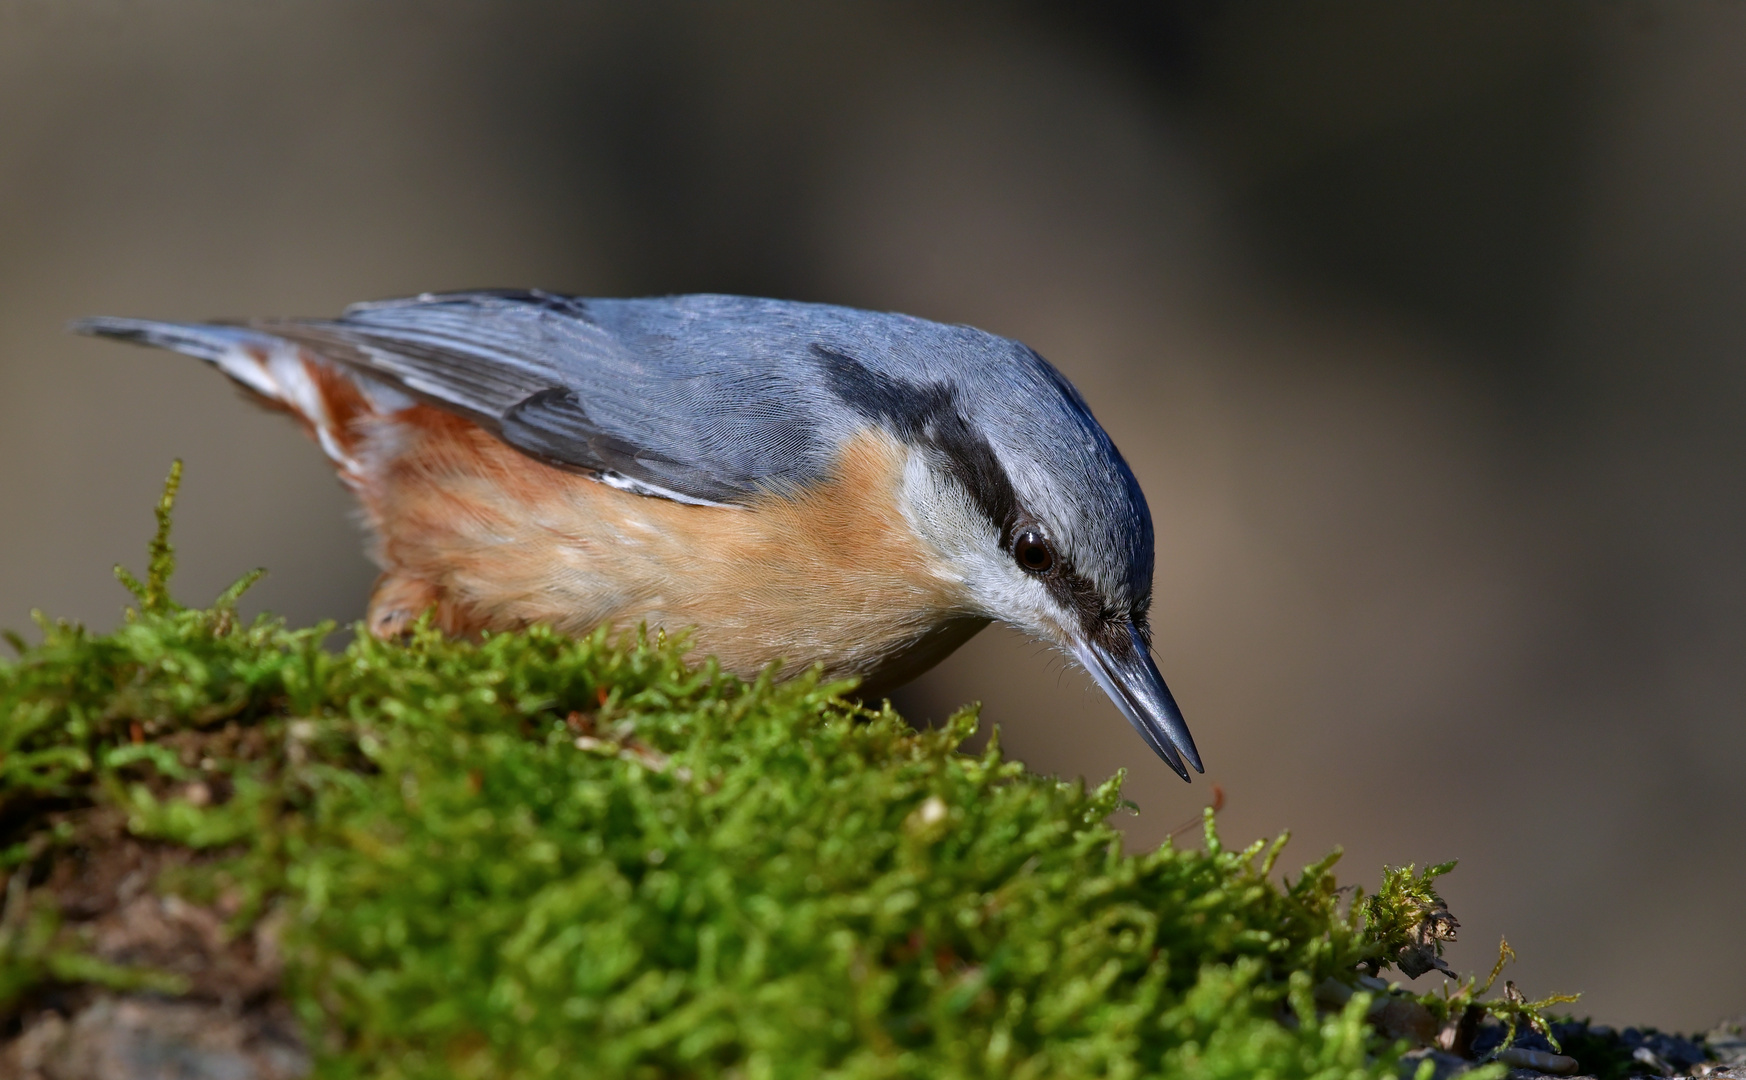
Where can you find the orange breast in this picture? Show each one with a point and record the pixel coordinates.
(495, 540)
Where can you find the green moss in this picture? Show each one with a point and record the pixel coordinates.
(534, 856)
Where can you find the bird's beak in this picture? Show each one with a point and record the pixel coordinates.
(1122, 664)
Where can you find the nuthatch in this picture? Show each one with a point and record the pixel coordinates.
(793, 482)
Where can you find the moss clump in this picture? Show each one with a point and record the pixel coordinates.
(533, 856)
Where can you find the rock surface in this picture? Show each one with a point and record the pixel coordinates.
(134, 1038)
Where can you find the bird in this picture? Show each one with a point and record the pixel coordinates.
(794, 484)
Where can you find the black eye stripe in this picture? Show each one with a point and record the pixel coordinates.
(927, 414)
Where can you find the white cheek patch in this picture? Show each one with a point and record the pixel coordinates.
(941, 513)
(944, 516)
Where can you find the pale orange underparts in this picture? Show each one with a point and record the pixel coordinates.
(492, 539)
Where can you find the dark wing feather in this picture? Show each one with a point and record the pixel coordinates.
(641, 393)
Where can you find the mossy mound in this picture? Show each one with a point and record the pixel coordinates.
(532, 856)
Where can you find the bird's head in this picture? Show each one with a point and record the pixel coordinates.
(1026, 502)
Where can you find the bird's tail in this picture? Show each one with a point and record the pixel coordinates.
(329, 400)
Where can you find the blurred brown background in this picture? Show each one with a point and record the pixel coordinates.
(1422, 325)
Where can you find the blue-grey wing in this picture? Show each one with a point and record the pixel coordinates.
(652, 395)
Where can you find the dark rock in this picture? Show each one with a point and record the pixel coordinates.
(1447, 1066)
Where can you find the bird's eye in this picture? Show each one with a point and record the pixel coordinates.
(1033, 552)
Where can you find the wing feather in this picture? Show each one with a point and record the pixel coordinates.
(617, 392)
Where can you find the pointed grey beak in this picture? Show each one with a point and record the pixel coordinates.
(1122, 665)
